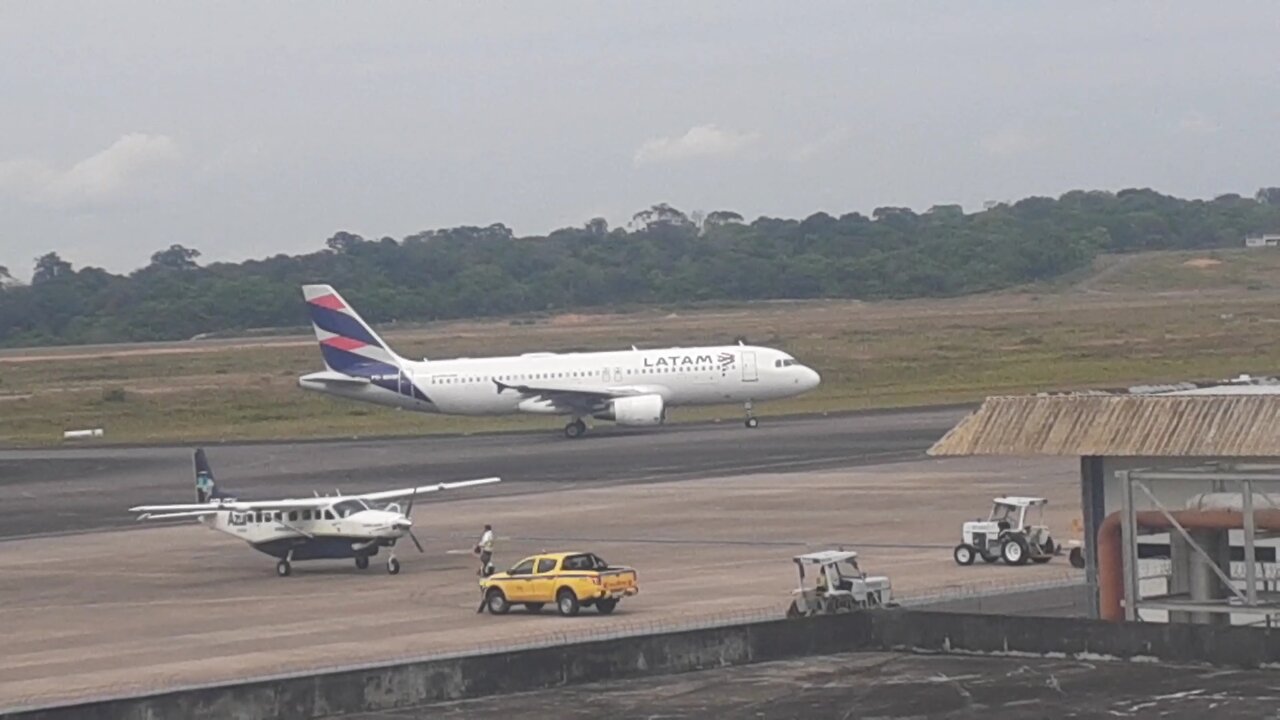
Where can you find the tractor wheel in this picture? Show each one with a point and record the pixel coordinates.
(964, 554)
(1077, 557)
(1014, 550)
(1048, 547)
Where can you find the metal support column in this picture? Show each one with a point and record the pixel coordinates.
(1093, 508)
(1129, 545)
(1250, 534)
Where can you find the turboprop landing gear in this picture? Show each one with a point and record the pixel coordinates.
(393, 565)
(575, 429)
(362, 562)
(284, 567)
(751, 422)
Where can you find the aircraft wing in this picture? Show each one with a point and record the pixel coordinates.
(422, 490)
(172, 515)
(573, 398)
(237, 506)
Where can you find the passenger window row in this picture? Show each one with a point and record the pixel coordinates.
(581, 374)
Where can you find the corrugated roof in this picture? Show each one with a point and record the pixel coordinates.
(1120, 425)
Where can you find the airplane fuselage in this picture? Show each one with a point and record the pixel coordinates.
(680, 376)
(313, 534)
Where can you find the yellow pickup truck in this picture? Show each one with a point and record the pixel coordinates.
(571, 580)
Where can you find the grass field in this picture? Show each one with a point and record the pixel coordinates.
(1156, 318)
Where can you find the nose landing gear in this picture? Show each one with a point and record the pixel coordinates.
(752, 422)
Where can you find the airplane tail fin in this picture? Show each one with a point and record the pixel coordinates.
(206, 488)
(347, 342)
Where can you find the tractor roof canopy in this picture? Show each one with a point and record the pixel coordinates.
(1019, 501)
(825, 556)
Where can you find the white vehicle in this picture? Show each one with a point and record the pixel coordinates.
(840, 585)
(1007, 534)
(315, 528)
(632, 387)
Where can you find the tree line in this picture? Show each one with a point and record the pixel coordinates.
(663, 256)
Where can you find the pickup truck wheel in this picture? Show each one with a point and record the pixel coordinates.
(498, 604)
(567, 602)
(606, 605)
(534, 607)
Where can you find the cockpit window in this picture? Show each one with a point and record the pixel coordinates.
(785, 362)
(347, 507)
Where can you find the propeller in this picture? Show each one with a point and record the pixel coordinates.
(408, 512)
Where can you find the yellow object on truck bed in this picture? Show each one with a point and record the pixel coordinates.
(571, 580)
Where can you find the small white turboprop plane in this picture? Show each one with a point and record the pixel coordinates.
(630, 387)
(315, 528)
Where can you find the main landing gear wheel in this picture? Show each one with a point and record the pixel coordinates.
(752, 423)
(575, 429)
(393, 566)
(283, 568)
(362, 562)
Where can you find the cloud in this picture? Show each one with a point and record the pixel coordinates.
(824, 143)
(1010, 142)
(1197, 124)
(131, 166)
(700, 141)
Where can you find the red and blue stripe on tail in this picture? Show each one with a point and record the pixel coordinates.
(351, 347)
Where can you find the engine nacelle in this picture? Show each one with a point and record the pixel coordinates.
(635, 410)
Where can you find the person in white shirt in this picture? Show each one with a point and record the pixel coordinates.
(485, 549)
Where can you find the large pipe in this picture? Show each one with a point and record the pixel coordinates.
(1110, 552)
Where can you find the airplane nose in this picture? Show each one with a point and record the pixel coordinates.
(812, 378)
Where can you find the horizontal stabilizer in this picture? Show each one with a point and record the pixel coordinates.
(335, 378)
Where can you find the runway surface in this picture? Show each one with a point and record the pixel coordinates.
(82, 489)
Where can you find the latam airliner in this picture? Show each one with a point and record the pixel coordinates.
(630, 387)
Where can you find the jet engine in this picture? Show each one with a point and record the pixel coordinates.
(635, 410)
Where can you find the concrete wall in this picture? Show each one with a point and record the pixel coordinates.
(408, 684)
(1057, 601)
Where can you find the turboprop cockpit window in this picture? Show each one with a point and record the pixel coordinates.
(347, 507)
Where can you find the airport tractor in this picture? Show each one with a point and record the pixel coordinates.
(839, 585)
(1007, 535)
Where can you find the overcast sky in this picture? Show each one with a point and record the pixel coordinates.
(248, 129)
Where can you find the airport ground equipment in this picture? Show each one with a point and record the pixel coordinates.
(571, 580)
(1007, 534)
(839, 585)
